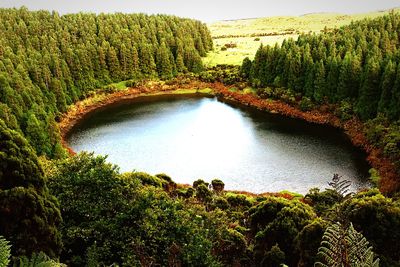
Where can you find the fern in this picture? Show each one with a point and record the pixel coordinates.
(340, 186)
(38, 260)
(343, 246)
(5, 252)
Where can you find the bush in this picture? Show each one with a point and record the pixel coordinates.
(278, 221)
(376, 217)
(221, 203)
(275, 257)
(232, 247)
(132, 83)
(112, 219)
(202, 193)
(110, 88)
(306, 104)
(323, 201)
(199, 182)
(345, 111)
(217, 185)
(148, 179)
(238, 201)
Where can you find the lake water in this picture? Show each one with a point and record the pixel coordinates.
(193, 137)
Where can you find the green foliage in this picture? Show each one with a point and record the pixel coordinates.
(147, 179)
(245, 68)
(19, 165)
(322, 201)
(274, 257)
(111, 218)
(5, 252)
(37, 260)
(226, 74)
(306, 104)
(203, 193)
(278, 221)
(231, 247)
(343, 246)
(199, 182)
(30, 215)
(238, 201)
(309, 240)
(376, 217)
(217, 185)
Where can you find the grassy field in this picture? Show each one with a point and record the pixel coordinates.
(246, 32)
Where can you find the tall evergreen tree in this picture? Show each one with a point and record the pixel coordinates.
(367, 105)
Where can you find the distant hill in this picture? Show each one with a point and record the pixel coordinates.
(270, 30)
(304, 23)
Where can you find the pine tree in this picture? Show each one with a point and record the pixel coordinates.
(246, 68)
(164, 65)
(319, 81)
(370, 93)
(394, 106)
(113, 64)
(147, 63)
(387, 83)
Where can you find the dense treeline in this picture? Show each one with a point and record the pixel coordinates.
(49, 61)
(359, 63)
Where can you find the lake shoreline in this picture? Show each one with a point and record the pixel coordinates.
(353, 128)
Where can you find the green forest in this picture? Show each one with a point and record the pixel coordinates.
(58, 209)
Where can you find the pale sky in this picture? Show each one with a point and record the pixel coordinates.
(206, 10)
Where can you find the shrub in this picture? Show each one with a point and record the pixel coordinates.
(306, 104)
(217, 185)
(110, 88)
(148, 179)
(238, 201)
(199, 182)
(278, 221)
(323, 201)
(202, 193)
(375, 216)
(221, 203)
(132, 83)
(275, 257)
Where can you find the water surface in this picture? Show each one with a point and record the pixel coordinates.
(191, 137)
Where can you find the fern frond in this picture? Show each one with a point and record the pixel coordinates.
(38, 260)
(343, 246)
(5, 252)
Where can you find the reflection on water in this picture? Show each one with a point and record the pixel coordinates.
(191, 138)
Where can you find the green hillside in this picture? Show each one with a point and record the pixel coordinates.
(270, 30)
